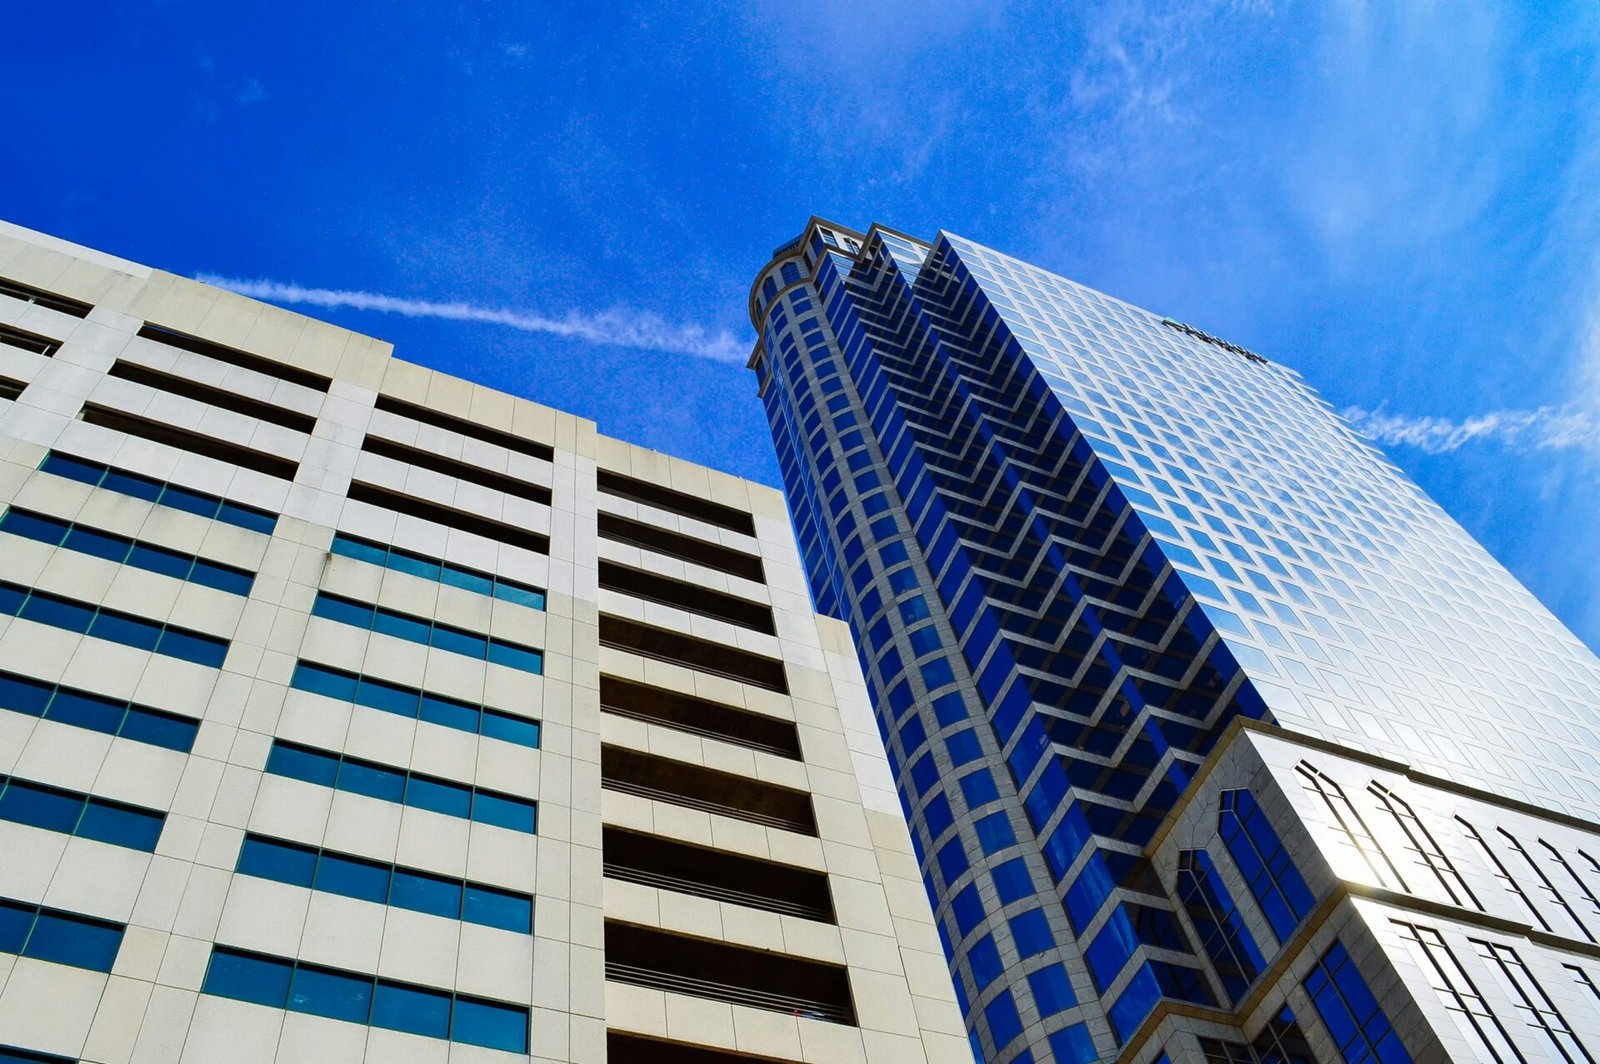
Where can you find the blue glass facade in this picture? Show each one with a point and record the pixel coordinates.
(1074, 541)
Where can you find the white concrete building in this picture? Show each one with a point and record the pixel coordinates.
(354, 712)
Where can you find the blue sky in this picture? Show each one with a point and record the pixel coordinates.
(567, 201)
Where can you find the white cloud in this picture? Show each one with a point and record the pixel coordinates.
(616, 327)
(1544, 429)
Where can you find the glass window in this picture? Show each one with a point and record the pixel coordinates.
(1011, 880)
(155, 559)
(248, 977)
(138, 487)
(24, 695)
(73, 468)
(516, 657)
(503, 811)
(58, 612)
(129, 631)
(280, 861)
(353, 878)
(468, 581)
(499, 908)
(386, 697)
(489, 1024)
(1031, 930)
(984, 959)
(388, 622)
(325, 992)
(15, 922)
(450, 713)
(160, 729)
(33, 526)
(192, 646)
(456, 641)
(963, 746)
(439, 796)
(994, 833)
(411, 1009)
(426, 894)
(324, 681)
(76, 940)
(41, 807)
(1266, 866)
(88, 711)
(511, 729)
(342, 610)
(968, 909)
(302, 764)
(1004, 1023)
(978, 788)
(1052, 990)
(121, 825)
(1073, 1045)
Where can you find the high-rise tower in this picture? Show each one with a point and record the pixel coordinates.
(1213, 730)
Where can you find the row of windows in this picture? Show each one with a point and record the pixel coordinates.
(385, 884)
(406, 561)
(125, 550)
(113, 625)
(159, 492)
(57, 936)
(339, 995)
(402, 787)
(49, 300)
(80, 709)
(410, 702)
(13, 1055)
(428, 632)
(83, 815)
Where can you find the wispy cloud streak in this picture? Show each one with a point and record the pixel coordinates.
(1545, 429)
(616, 327)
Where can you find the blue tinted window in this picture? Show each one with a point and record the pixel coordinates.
(41, 807)
(978, 788)
(984, 958)
(458, 642)
(33, 526)
(80, 941)
(411, 1009)
(192, 646)
(129, 631)
(1004, 1023)
(516, 657)
(16, 921)
(281, 861)
(248, 977)
(994, 833)
(301, 764)
(1031, 930)
(450, 713)
(1221, 928)
(155, 559)
(319, 679)
(138, 487)
(963, 746)
(441, 797)
(375, 781)
(342, 610)
(353, 878)
(81, 710)
(1011, 880)
(1271, 874)
(952, 860)
(121, 825)
(12, 598)
(499, 908)
(426, 894)
(503, 811)
(103, 545)
(388, 697)
(510, 729)
(160, 729)
(433, 569)
(24, 695)
(968, 909)
(486, 1023)
(58, 612)
(325, 992)
(193, 502)
(1052, 990)
(73, 468)
(1359, 1026)
(1073, 1045)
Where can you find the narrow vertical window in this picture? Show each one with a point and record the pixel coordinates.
(1354, 827)
(1538, 1010)
(1274, 880)
(1459, 993)
(1512, 886)
(1220, 927)
(1360, 1029)
(1428, 852)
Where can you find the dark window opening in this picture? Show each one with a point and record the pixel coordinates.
(670, 865)
(183, 439)
(685, 548)
(623, 1048)
(701, 968)
(450, 467)
(10, 388)
(684, 596)
(692, 653)
(27, 341)
(49, 300)
(412, 506)
(234, 357)
(441, 420)
(678, 502)
(218, 397)
(699, 717)
(708, 790)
